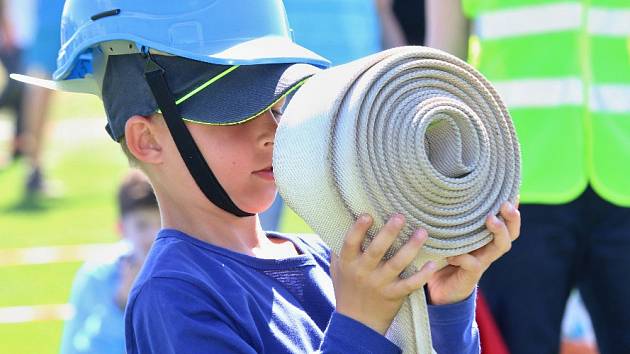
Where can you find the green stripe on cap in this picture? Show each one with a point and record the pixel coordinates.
(206, 84)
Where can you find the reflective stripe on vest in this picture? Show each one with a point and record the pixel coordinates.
(557, 92)
(609, 22)
(541, 92)
(610, 99)
(529, 20)
(551, 18)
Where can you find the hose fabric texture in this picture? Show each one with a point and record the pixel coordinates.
(410, 130)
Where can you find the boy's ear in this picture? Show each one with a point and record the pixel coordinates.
(140, 136)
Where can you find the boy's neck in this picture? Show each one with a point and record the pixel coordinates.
(239, 234)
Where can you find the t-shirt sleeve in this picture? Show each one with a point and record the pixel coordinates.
(453, 327)
(169, 316)
(345, 335)
(453, 331)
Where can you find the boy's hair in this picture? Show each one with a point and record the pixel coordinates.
(135, 193)
(133, 161)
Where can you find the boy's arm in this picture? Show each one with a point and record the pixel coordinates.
(453, 327)
(345, 335)
(452, 285)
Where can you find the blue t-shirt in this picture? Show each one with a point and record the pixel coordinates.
(194, 297)
(97, 326)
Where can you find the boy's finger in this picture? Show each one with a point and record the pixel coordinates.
(353, 240)
(512, 219)
(502, 239)
(383, 240)
(405, 255)
(405, 287)
(499, 245)
(467, 262)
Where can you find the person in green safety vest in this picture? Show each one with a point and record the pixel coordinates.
(563, 69)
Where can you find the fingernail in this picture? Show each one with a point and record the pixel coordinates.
(364, 218)
(511, 208)
(398, 219)
(431, 265)
(494, 220)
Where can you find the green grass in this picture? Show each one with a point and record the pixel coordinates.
(31, 338)
(89, 171)
(84, 212)
(39, 284)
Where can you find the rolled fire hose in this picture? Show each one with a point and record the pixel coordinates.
(410, 130)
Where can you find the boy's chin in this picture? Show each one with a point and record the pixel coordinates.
(259, 205)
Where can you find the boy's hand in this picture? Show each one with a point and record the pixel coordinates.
(129, 268)
(456, 281)
(369, 289)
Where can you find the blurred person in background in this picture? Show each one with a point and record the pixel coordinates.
(40, 61)
(402, 22)
(339, 30)
(563, 69)
(16, 34)
(100, 290)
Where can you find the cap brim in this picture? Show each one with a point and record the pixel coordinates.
(244, 93)
(87, 85)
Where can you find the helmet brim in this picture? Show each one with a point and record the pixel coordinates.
(87, 85)
(266, 50)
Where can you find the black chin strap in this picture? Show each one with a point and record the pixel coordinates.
(197, 165)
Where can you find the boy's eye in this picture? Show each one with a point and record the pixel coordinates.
(276, 114)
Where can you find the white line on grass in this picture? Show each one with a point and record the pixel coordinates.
(59, 254)
(23, 314)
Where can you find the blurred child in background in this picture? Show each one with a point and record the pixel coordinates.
(100, 291)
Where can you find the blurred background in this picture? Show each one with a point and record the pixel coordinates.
(60, 172)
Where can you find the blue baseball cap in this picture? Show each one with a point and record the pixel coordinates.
(205, 93)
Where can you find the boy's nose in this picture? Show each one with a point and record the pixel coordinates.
(269, 124)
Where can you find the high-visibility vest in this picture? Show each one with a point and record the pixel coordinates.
(563, 69)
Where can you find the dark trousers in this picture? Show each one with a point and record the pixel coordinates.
(583, 244)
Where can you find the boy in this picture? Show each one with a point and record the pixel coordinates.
(100, 291)
(214, 281)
